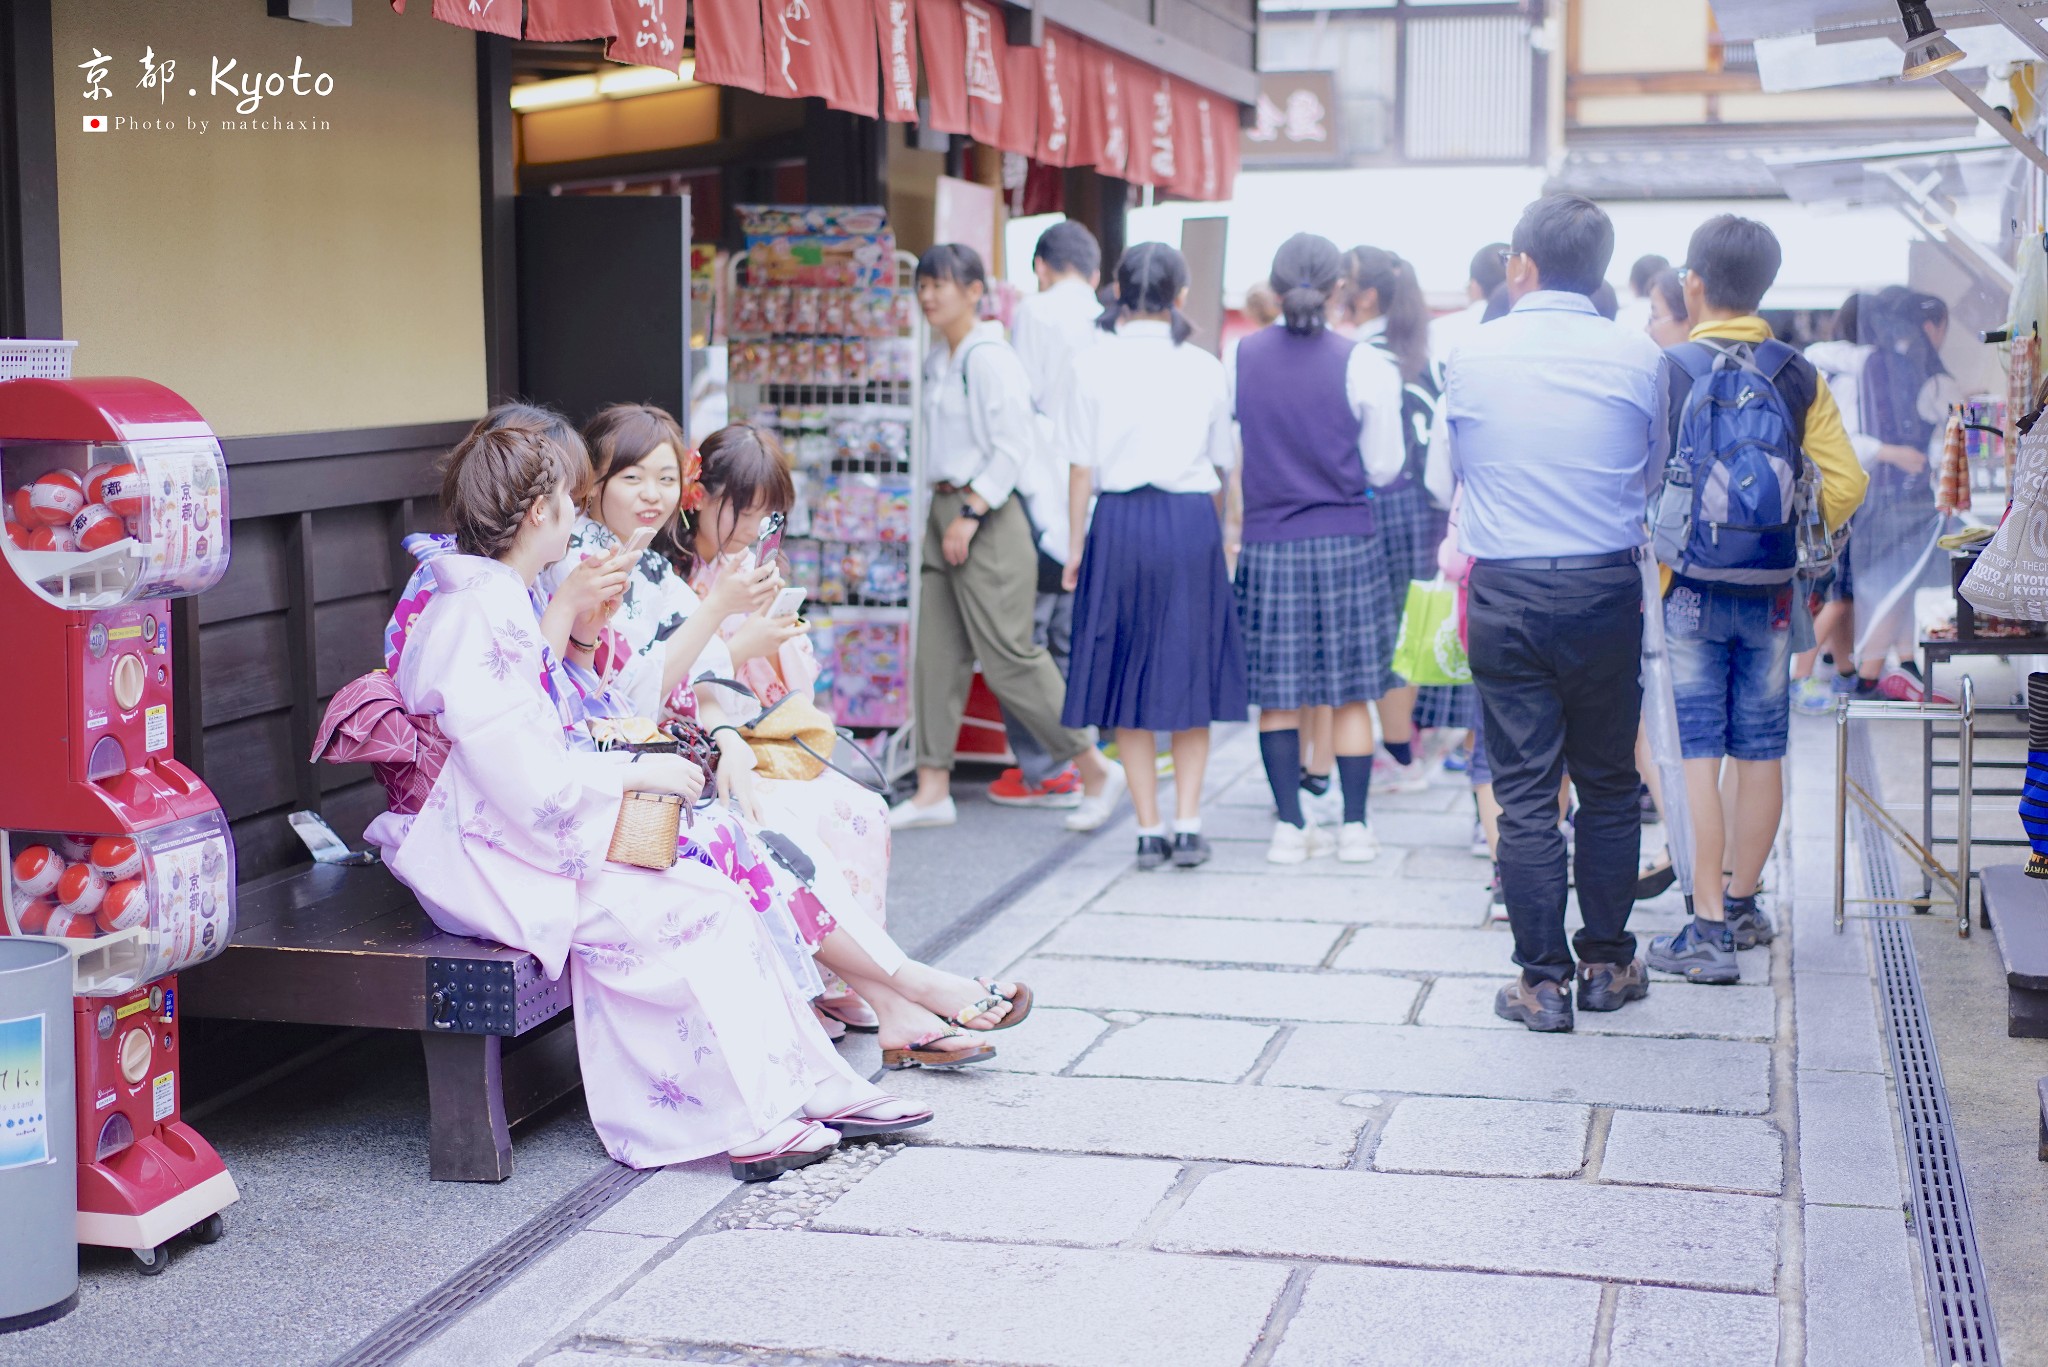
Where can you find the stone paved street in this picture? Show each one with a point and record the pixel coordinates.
(1267, 1116)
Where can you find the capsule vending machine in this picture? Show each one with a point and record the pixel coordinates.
(115, 502)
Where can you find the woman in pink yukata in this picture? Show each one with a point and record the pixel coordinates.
(643, 476)
(692, 1036)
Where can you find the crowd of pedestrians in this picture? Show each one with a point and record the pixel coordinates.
(1217, 538)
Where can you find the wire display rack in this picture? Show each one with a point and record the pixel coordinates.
(836, 373)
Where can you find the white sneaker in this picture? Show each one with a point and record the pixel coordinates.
(1298, 844)
(1412, 777)
(908, 816)
(1094, 811)
(1326, 809)
(1356, 844)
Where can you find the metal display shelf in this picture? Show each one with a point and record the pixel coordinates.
(1936, 731)
(1848, 790)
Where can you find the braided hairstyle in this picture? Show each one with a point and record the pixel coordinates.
(1306, 270)
(1401, 303)
(515, 456)
(1149, 279)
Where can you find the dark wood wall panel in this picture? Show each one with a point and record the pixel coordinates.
(301, 611)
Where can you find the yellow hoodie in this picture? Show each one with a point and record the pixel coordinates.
(1843, 480)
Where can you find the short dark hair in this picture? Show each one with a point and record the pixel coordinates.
(954, 262)
(1489, 272)
(1606, 301)
(1737, 261)
(1646, 269)
(1149, 279)
(1571, 240)
(1670, 287)
(1069, 246)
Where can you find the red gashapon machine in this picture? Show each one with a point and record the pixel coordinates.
(115, 502)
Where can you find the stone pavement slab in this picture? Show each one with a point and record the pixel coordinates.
(1660, 1148)
(1131, 1116)
(1052, 1039)
(1846, 1152)
(1410, 901)
(1192, 1050)
(1021, 1198)
(671, 1201)
(1837, 1023)
(1247, 858)
(1400, 1317)
(1168, 989)
(1673, 1009)
(1862, 1302)
(853, 1294)
(1194, 939)
(1484, 1138)
(1660, 1074)
(1502, 1224)
(1657, 1326)
(1487, 953)
(522, 1316)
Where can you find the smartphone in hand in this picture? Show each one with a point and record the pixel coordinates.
(787, 604)
(770, 540)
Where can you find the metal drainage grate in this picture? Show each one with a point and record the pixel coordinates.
(404, 1332)
(1958, 1298)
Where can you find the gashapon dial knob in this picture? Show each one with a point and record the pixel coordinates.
(98, 526)
(126, 904)
(80, 890)
(37, 869)
(55, 498)
(116, 857)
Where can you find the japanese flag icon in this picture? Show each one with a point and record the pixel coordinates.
(95, 123)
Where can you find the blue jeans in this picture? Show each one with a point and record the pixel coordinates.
(1731, 670)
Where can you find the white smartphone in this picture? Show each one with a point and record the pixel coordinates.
(641, 540)
(787, 603)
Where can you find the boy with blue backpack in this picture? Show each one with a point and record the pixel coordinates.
(1760, 476)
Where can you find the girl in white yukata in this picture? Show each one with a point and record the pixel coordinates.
(692, 1036)
(644, 478)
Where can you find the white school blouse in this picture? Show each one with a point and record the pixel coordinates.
(1143, 410)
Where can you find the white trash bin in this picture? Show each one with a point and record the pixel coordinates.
(38, 1140)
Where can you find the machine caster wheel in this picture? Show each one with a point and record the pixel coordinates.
(209, 1230)
(153, 1261)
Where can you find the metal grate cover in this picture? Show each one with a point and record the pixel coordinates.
(1958, 1298)
(404, 1332)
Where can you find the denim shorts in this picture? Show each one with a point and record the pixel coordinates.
(1731, 670)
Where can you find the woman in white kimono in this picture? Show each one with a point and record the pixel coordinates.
(692, 1037)
(924, 1017)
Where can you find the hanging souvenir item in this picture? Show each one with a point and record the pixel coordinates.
(1952, 492)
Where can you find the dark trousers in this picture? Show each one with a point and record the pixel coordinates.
(1557, 656)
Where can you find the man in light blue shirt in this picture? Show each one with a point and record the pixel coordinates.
(1557, 427)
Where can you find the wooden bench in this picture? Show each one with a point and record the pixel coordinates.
(347, 945)
(2016, 907)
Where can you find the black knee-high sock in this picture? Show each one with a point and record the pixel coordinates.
(1355, 773)
(1402, 751)
(1281, 753)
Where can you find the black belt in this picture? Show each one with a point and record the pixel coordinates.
(1612, 560)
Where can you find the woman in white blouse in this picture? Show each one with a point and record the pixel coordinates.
(1147, 426)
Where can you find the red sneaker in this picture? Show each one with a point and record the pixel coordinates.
(1061, 790)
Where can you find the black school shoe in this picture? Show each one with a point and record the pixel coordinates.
(1152, 851)
(1542, 1006)
(1190, 850)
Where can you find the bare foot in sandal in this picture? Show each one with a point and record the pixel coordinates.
(904, 1022)
(960, 1001)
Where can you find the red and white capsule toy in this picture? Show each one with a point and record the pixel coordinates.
(120, 488)
(52, 539)
(80, 890)
(35, 917)
(37, 869)
(55, 498)
(97, 527)
(116, 857)
(126, 904)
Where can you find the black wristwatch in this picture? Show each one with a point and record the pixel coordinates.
(972, 513)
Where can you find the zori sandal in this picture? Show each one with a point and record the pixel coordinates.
(786, 1156)
(1018, 999)
(920, 1054)
(851, 1012)
(854, 1122)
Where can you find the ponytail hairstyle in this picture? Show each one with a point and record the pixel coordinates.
(1149, 279)
(1401, 304)
(743, 467)
(516, 455)
(1305, 271)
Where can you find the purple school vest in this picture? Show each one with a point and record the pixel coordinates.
(1303, 476)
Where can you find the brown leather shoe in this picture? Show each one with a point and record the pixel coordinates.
(1609, 987)
(1543, 1005)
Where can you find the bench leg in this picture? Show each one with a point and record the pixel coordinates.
(470, 1141)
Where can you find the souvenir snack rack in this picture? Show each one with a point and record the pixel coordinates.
(826, 347)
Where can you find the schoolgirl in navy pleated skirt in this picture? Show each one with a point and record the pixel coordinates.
(1147, 426)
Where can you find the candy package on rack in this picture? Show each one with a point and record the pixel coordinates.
(888, 576)
(857, 506)
(776, 310)
(832, 572)
(806, 311)
(853, 567)
(870, 683)
(892, 508)
(835, 312)
(749, 317)
(802, 555)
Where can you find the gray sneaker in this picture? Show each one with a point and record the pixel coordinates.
(1543, 1005)
(1703, 952)
(1747, 922)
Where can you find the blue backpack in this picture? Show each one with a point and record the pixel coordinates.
(1739, 493)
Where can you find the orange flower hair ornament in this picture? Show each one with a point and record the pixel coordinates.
(693, 495)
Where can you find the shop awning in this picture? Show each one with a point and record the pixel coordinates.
(1070, 101)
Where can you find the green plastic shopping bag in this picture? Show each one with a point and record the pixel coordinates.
(1429, 651)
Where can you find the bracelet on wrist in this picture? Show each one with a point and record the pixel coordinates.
(582, 645)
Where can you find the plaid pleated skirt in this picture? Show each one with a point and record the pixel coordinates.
(1317, 629)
